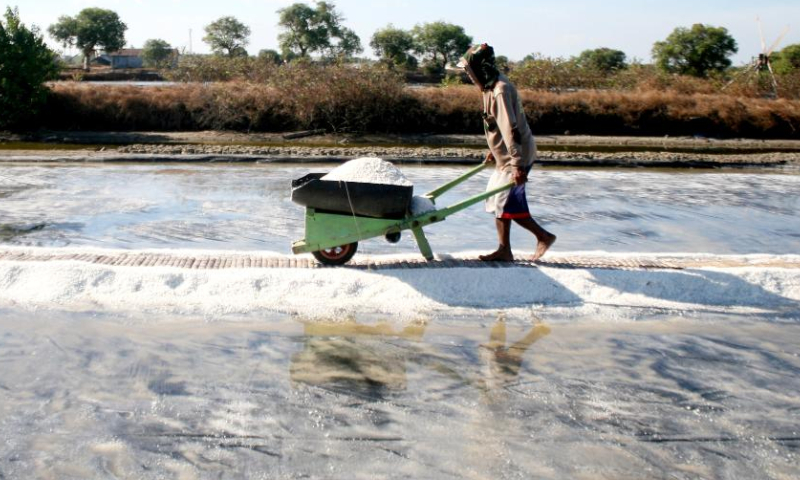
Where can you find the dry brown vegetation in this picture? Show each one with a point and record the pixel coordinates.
(344, 99)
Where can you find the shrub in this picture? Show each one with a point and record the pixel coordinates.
(375, 100)
(340, 98)
(787, 60)
(25, 64)
(158, 53)
(556, 73)
(217, 68)
(606, 60)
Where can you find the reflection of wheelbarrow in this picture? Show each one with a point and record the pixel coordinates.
(365, 359)
(340, 214)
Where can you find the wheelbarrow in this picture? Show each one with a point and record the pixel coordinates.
(336, 222)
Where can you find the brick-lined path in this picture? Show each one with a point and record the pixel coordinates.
(198, 261)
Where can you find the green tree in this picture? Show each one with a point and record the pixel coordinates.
(347, 44)
(394, 47)
(157, 53)
(25, 64)
(695, 51)
(92, 28)
(310, 30)
(605, 60)
(443, 42)
(227, 36)
(270, 56)
(787, 60)
(502, 63)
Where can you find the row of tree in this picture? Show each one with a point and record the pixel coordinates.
(318, 30)
(306, 31)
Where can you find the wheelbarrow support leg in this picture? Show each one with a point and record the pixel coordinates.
(422, 242)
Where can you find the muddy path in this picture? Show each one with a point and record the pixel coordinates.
(216, 146)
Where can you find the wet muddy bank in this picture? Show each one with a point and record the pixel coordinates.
(319, 138)
(315, 147)
(402, 155)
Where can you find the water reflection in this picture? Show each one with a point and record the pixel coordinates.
(504, 361)
(102, 396)
(360, 359)
(372, 360)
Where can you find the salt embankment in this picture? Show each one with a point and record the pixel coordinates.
(411, 154)
(610, 287)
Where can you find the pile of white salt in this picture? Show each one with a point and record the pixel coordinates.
(369, 170)
(420, 205)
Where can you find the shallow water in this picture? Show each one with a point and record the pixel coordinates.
(99, 396)
(247, 207)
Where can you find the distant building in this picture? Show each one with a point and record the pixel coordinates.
(125, 58)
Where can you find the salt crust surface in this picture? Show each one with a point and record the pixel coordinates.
(368, 170)
(330, 294)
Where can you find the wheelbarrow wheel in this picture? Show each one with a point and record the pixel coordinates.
(336, 255)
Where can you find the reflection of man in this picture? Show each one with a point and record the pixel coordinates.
(356, 357)
(505, 361)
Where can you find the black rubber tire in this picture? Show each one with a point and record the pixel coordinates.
(337, 255)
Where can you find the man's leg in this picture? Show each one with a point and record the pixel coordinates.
(544, 238)
(503, 252)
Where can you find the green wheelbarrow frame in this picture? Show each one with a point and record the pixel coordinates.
(326, 231)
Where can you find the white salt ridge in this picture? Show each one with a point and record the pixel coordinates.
(368, 170)
(609, 295)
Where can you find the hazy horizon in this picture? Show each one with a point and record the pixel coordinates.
(556, 29)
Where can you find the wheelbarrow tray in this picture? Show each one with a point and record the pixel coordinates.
(352, 198)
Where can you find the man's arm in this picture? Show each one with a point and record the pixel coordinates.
(506, 122)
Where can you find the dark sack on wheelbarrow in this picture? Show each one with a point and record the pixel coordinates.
(352, 198)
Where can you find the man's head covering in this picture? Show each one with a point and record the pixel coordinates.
(480, 59)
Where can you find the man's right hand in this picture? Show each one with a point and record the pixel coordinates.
(520, 176)
(489, 158)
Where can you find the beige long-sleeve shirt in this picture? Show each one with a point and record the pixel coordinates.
(507, 132)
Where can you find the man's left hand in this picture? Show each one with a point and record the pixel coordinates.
(520, 177)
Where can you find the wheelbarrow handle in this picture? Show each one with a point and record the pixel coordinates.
(473, 200)
(433, 195)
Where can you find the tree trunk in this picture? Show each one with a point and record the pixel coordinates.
(87, 56)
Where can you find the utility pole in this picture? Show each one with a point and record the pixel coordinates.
(190, 40)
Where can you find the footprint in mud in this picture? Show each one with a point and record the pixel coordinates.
(174, 281)
(11, 277)
(163, 386)
(260, 284)
(354, 288)
(106, 278)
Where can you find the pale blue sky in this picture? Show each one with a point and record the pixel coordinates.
(514, 27)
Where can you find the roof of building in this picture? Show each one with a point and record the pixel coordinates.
(127, 52)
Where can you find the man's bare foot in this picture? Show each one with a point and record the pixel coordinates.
(543, 246)
(500, 255)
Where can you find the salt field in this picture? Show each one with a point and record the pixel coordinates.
(153, 324)
(247, 207)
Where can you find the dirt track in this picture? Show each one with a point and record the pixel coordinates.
(217, 262)
(231, 146)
